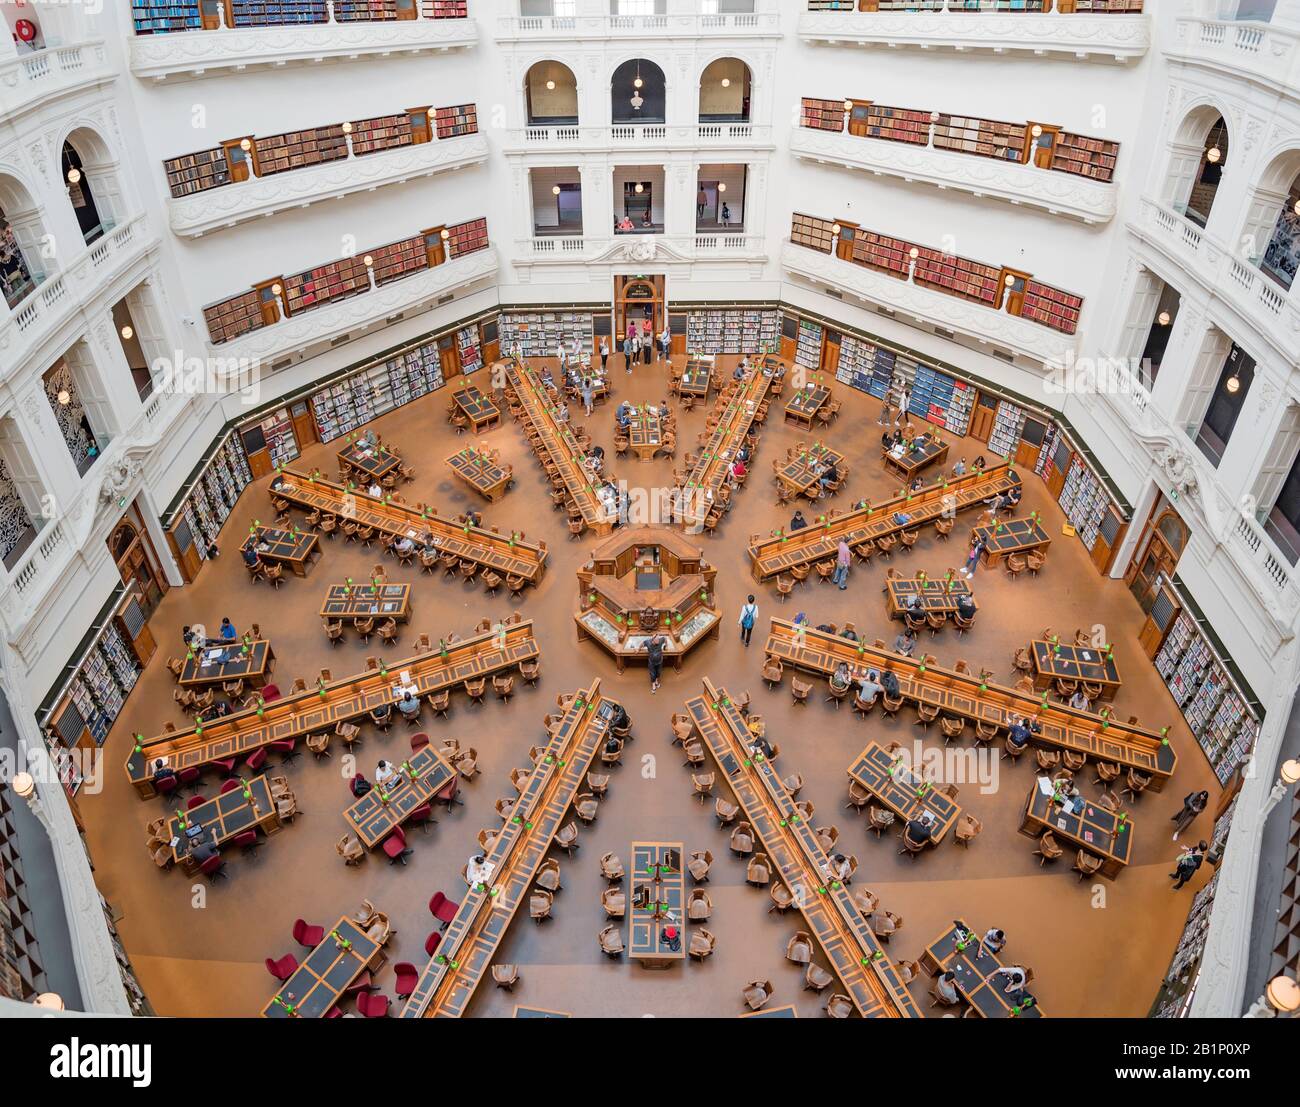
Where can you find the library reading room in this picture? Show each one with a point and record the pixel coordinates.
(649, 508)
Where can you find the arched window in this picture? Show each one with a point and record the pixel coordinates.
(21, 236)
(638, 93)
(725, 92)
(551, 91)
(90, 175)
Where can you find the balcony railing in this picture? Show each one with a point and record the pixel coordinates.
(1264, 306)
(565, 249)
(200, 53)
(1081, 34)
(35, 78)
(1060, 193)
(1258, 52)
(765, 24)
(691, 136)
(218, 208)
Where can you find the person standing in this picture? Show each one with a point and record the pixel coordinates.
(1188, 863)
(665, 340)
(972, 557)
(701, 202)
(904, 403)
(654, 650)
(886, 418)
(1193, 804)
(627, 353)
(748, 617)
(648, 341)
(604, 356)
(636, 351)
(843, 558)
(588, 396)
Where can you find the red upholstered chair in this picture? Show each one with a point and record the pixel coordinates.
(283, 968)
(442, 908)
(362, 983)
(395, 847)
(419, 741)
(189, 776)
(407, 975)
(166, 785)
(247, 841)
(256, 760)
(231, 784)
(307, 935)
(225, 764)
(334, 1013)
(448, 793)
(195, 801)
(214, 867)
(373, 1006)
(285, 747)
(431, 942)
(271, 692)
(422, 817)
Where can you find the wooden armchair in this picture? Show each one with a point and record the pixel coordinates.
(698, 865)
(759, 870)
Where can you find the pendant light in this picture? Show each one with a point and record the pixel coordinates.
(637, 98)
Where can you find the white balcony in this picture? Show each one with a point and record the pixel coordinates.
(359, 313)
(1059, 193)
(554, 28)
(986, 325)
(30, 80)
(723, 137)
(1262, 306)
(70, 292)
(219, 208)
(232, 50)
(1120, 37)
(551, 250)
(1259, 53)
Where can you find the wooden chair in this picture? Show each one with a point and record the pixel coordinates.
(698, 906)
(742, 839)
(781, 896)
(784, 586)
(365, 628)
(698, 865)
(585, 807)
(1048, 848)
(611, 940)
(1023, 661)
(702, 783)
(614, 901)
(1016, 564)
(548, 875)
(756, 994)
(879, 819)
(348, 848)
(540, 903)
(1086, 864)
(799, 948)
(800, 690)
(1107, 773)
(349, 734)
(759, 870)
(839, 1006)
(967, 829)
(566, 838)
(1138, 782)
(611, 868)
(773, 671)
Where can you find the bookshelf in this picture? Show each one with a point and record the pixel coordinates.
(1007, 425)
(1085, 157)
(444, 9)
(281, 442)
(1045, 465)
(808, 230)
(21, 975)
(890, 124)
(880, 251)
(197, 172)
(234, 317)
(383, 132)
(1051, 307)
(414, 373)
(732, 330)
(808, 348)
(539, 333)
(298, 149)
(865, 366)
(277, 13)
(942, 400)
(211, 498)
(958, 276)
(469, 350)
(399, 259)
(164, 17)
(456, 121)
(1112, 7)
(986, 138)
(821, 115)
(365, 11)
(324, 284)
(467, 238)
(349, 404)
(1084, 500)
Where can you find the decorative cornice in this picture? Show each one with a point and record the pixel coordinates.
(219, 208)
(29, 81)
(984, 324)
(1058, 193)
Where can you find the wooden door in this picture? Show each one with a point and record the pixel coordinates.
(237, 158)
(304, 424)
(858, 116)
(1040, 148)
(1011, 289)
(844, 248)
(434, 246)
(1159, 549)
(209, 13)
(983, 416)
(419, 124)
(831, 352)
(448, 356)
(406, 9)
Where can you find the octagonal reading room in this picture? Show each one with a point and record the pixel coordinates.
(649, 508)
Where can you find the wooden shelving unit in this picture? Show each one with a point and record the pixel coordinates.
(890, 124)
(234, 317)
(808, 230)
(822, 115)
(383, 132)
(325, 284)
(958, 276)
(164, 17)
(988, 138)
(197, 172)
(399, 259)
(467, 238)
(277, 13)
(298, 149)
(1085, 157)
(880, 251)
(1051, 307)
(453, 122)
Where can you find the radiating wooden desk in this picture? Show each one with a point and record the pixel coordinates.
(253, 667)
(1096, 829)
(804, 405)
(802, 473)
(297, 551)
(697, 378)
(1012, 536)
(222, 817)
(736, 412)
(786, 1012)
(481, 412)
(971, 968)
(372, 463)
(899, 788)
(938, 597)
(931, 452)
(423, 775)
(326, 973)
(480, 472)
(354, 602)
(666, 900)
(1067, 661)
(644, 434)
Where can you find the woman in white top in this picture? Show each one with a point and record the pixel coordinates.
(385, 774)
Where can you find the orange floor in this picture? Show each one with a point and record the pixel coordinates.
(199, 950)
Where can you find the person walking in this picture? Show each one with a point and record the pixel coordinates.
(972, 558)
(1193, 804)
(648, 340)
(887, 405)
(654, 651)
(748, 617)
(665, 340)
(1188, 862)
(588, 396)
(627, 353)
(843, 558)
(904, 402)
(701, 202)
(604, 356)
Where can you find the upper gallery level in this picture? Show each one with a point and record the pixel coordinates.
(538, 21)
(35, 78)
(1116, 30)
(198, 38)
(1264, 54)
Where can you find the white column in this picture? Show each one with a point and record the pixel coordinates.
(105, 185)
(113, 371)
(597, 213)
(1189, 331)
(1258, 424)
(680, 186)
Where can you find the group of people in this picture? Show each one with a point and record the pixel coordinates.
(639, 344)
(1011, 980)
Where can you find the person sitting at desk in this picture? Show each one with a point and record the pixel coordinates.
(375, 490)
(829, 475)
(473, 518)
(797, 521)
(902, 518)
(837, 867)
(897, 450)
(478, 870)
(409, 705)
(162, 771)
(993, 941)
(742, 454)
(959, 470)
(905, 643)
(849, 633)
(1019, 733)
(625, 224)
(250, 556)
(738, 374)
(738, 469)
(914, 604)
(979, 463)
(920, 831)
(965, 606)
(945, 989)
(1079, 701)
(202, 851)
(228, 630)
(840, 678)
(870, 687)
(1012, 498)
(386, 774)
(917, 482)
(404, 545)
(546, 378)
(1017, 976)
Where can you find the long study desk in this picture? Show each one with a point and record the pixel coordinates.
(558, 444)
(470, 941)
(736, 411)
(898, 787)
(868, 975)
(779, 554)
(247, 807)
(657, 872)
(217, 664)
(326, 973)
(960, 695)
(972, 966)
(1104, 833)
(357, 602)
(311, 712)
(484, 547)
(422, 776)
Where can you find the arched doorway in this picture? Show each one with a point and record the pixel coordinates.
(21, 236)
(725, 92)
(638, 93)
(551, 92)
(636, 299)
(136, 561)
(1161, 545)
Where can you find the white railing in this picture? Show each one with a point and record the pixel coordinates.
(542, 245)
(687, 136)
(27, 79)
(731, 132)
(672, 25)
(551, 136)
(638, 132)
(1262, 53)
(574, 249)
(1256, 550)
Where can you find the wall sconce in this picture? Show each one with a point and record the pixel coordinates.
(276, 289)
(246, 145)
(913, 253)
(347, 128)
(1036, 131)
(446, 234)
(550, 86)
(722, 186)
(848, 105)
(368, 261)
(835, 229)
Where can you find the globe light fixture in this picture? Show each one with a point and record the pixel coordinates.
(1213, 155)
(1233, 383)
(128, 331)
(347, 128)
(74, 175)
(64, 397)
(726, 82)
(550, 86)
(555, 190)
(1163, 318)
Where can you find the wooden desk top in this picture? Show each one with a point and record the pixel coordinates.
(1094, 828)
(697, 377)
(232, 665)
(972, 968)
(914, 459)
(376, 462)
(423, 775)
(868, 975)
(786, 1012)
(474, 404)
(806, 402)
(303, 713)
(896, 785)
(1070, 662)
(938, 597)
(646, 925)
(325, 974)
(484, 547)
(224, 816)
(1013, 536)
(644, 431)
(485, 476)
(803, 471)
(364, 601)
(281, 545)
(959, 694)
(736, 415)
(522, 1012)
(470, 940)
(772, 556)
(559, 444)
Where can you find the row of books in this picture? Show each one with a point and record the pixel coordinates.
(157, 17)
(539, 333)
(942, 400)
(1008, 422)
(1084, 500)
(731, 330)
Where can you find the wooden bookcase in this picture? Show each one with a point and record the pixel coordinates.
(890, 124)
(382, 132)
(400, 259)
(1085, 157)
(453, 122)
(236, 316)
(987, 138)
(323, 284)
(467, 238)
(882, 252)
(298, 149)
(814, 233)
(958, 276)
(197, 172)
(1050, 306)
(822, 115)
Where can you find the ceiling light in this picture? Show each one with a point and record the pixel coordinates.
(640, 188)
(638, 83)
(24, 784)
(550, 86)
(1297, 207)
(726, 82)
(1233, 383)
(74, 175)
(722, 186)
(128, 331)
(64, 397)
(1163, 318)
(1213, 155)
